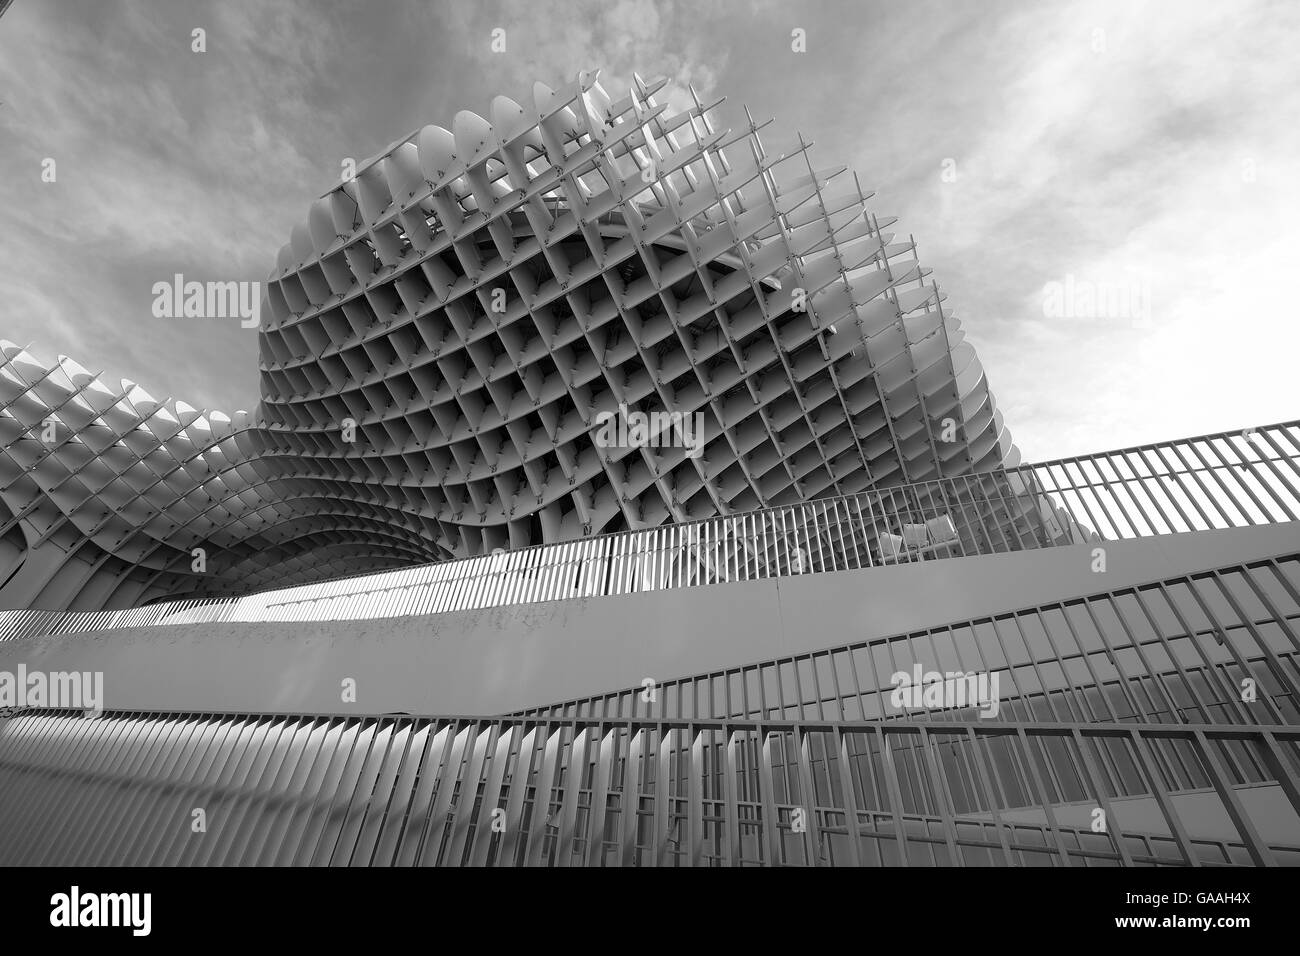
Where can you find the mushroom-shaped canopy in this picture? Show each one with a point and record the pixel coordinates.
(473, 134)
(77, 373)
(437, 151)
(284, 261)
(508, 117)
(219, 425)
(372, 192)
(304, 250)
(27, 367)
(345, 209)
(544, 98)
(187, 414)
(144, 403)
(405, 177)
(320, 220)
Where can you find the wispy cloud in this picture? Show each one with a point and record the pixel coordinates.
(1099, 140)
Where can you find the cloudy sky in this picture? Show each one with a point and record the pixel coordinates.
(1116, 145)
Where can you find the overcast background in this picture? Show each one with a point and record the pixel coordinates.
(1114, 142)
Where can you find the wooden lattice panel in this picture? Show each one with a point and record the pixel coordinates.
(475, 299)
(443, 336)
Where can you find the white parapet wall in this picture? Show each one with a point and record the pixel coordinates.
(506, 659)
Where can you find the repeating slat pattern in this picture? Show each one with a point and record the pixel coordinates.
(443, 334)
(1174, 651)
(1213, 481)
(381, 791)
(108, 483)
(476, 298)
(1127, 703)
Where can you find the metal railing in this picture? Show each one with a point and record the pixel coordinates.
(1178, 650)
(1223, 480)
(348, 790)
